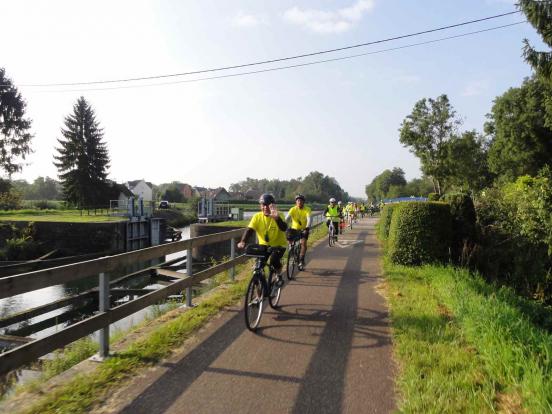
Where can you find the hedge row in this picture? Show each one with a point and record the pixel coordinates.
(385, 221)
(419, 233)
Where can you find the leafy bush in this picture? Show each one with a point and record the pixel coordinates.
(463, 226)
(420, 233)
(46, 205)
(514, 225)
(433, 197)
(385, 221)
(10, 200)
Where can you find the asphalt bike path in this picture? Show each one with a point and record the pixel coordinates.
(327, 349)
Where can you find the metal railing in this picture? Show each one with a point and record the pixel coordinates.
(31, 281)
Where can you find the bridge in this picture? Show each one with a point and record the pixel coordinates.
(327, 349)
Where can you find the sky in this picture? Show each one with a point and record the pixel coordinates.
(340, 118)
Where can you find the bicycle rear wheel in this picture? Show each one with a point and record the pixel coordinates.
(291, 265)
(275, 290)
(253, 304)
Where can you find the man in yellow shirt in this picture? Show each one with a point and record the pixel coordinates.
(270, 227)
(300, 217)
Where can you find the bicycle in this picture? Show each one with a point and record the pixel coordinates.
(259, 287)
(331, 233)
(293, 256)
(350, 220)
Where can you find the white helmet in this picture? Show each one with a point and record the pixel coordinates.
(339, 203)
(332, 200)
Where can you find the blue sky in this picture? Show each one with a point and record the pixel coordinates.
(340, 118)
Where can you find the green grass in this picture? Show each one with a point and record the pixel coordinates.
(73, 216)
(465, 346)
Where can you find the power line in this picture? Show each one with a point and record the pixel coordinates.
(291, 66)
(196, 72)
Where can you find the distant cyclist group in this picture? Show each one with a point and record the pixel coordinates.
(274, 233)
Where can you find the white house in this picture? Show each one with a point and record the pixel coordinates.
(141, 188)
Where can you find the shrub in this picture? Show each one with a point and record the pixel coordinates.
(433, 197)
(463, 226)
(420, 233)
(10, 200)
(385, 221)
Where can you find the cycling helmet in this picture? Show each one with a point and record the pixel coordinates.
(267, 199)
(299, 197)
(339, 203)
(332, 200)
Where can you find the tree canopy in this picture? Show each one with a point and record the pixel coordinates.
(520, 129)
(315, 186)
(15, 137)
(427, 131)
(539, 14)
(82, 159)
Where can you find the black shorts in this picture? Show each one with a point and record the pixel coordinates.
(275, 258)
(293, 234)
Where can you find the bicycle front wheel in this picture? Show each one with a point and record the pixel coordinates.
(275, 289)
(253, 304)
(331, 239)
(291, 263)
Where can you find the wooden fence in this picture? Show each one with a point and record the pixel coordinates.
(28, 282)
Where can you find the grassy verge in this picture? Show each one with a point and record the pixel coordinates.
(73, 216)
(84, 391)
(465, 346)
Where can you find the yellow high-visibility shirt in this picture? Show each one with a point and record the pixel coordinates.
(267, 228)
(299, 217)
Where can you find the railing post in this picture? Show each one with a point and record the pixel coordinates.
(232, 257)
(104, 307)
(189, 272)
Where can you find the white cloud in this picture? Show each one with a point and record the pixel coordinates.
(242, 19)
(475, 88)
(322, 21)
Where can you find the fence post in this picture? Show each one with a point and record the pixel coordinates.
(104, 307)
(232, 257)
(189, 272)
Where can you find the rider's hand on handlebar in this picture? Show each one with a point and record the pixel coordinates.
(241, 245)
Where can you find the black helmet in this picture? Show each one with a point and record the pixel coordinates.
(299, 197)
(267, 199)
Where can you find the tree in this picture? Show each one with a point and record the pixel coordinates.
(82, 159)
(427, 131)
(520, 130)
(15, 137)
(467, 162)
(381, 185)
(539, 14)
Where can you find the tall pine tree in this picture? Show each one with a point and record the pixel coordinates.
(82, 159)
(539, 14)
(15, 137)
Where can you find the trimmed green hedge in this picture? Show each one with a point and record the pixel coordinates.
(420, 233)
(463, 225)
(385, 221)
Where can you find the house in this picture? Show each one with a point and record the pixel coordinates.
(119, 193)
(236, 195)
(219, 194)
(186, 190)
(252, 194)
(141, 188)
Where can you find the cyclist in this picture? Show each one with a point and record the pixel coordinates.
(300, 217)
(332, 214)
(341, 211)
(270, 227)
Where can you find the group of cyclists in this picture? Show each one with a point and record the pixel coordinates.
(275, 230)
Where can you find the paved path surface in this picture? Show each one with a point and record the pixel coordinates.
(327, 350)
